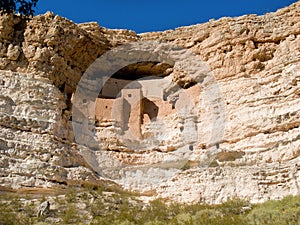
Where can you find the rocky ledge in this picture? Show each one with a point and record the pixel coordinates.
(255, 61)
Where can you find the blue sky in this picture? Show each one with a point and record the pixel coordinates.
(155, 15)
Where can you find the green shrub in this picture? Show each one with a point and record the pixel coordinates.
(12, 211)
(123, 209)
(285, 211)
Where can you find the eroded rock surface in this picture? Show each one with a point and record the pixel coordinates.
(255, 61)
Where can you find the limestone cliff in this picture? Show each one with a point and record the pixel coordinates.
(255, 61)
(41, 62)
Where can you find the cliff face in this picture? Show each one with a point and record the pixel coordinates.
(41, 62)
(255, 61)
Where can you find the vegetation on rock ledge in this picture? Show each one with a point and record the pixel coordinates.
(89, 206)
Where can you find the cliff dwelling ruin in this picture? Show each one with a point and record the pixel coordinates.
(134, 97)
(139, 108)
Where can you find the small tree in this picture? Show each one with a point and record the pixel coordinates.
(24, 7)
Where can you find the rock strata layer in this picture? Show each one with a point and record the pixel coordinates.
(255, 62)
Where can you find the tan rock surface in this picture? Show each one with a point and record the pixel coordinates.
(35, 137)
(255, 61)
